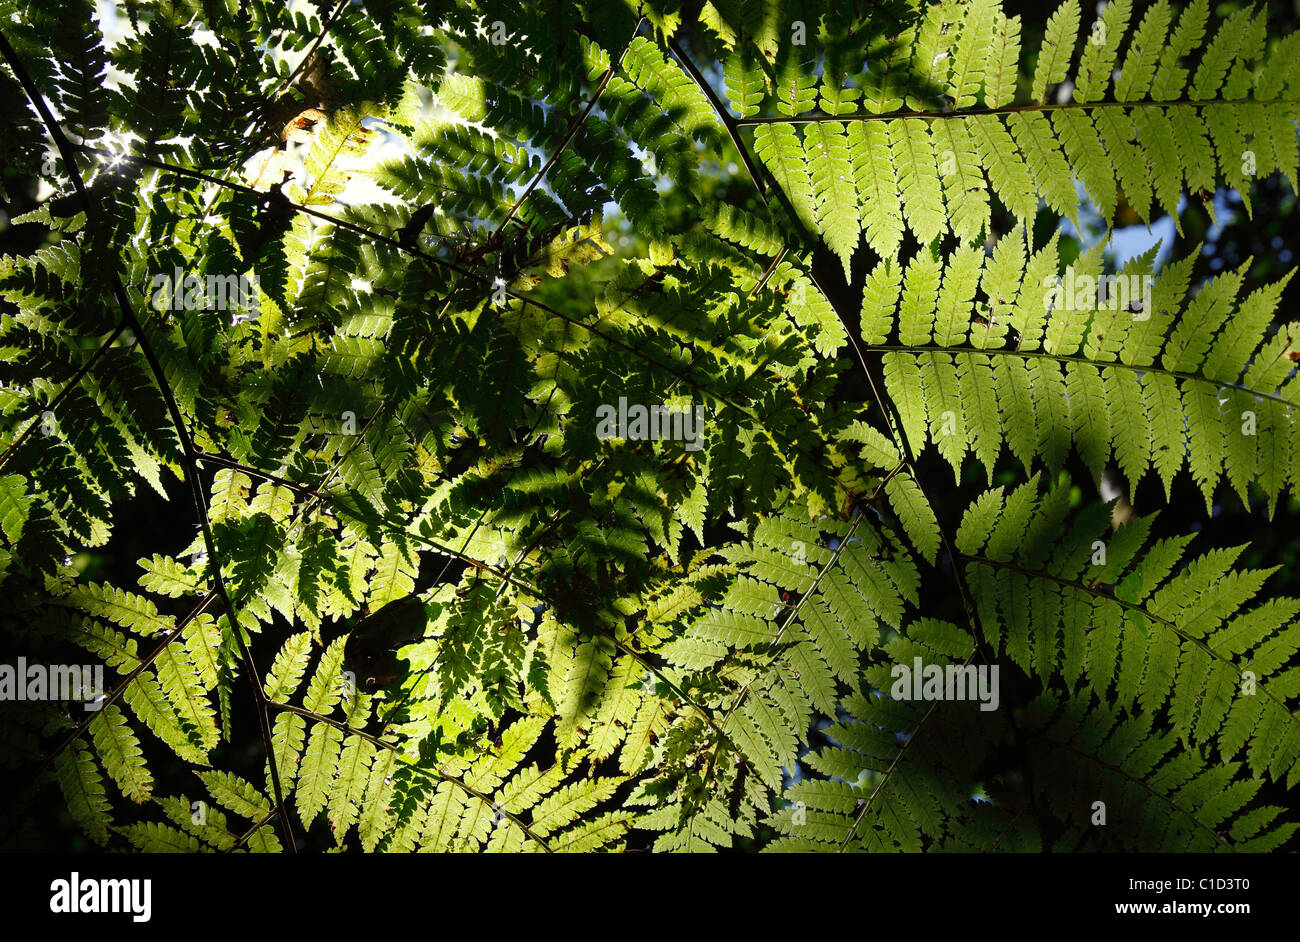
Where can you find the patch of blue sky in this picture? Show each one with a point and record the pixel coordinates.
(1124, 243)
(1128, 242)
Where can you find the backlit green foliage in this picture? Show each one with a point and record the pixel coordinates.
(443, 613)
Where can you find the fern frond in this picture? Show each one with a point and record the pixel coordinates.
(1085, 346)
(1164, 636)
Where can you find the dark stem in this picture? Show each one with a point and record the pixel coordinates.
(1009, 109)
(67, 388)
(436, 773)
(574, 125)
(67, 152)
